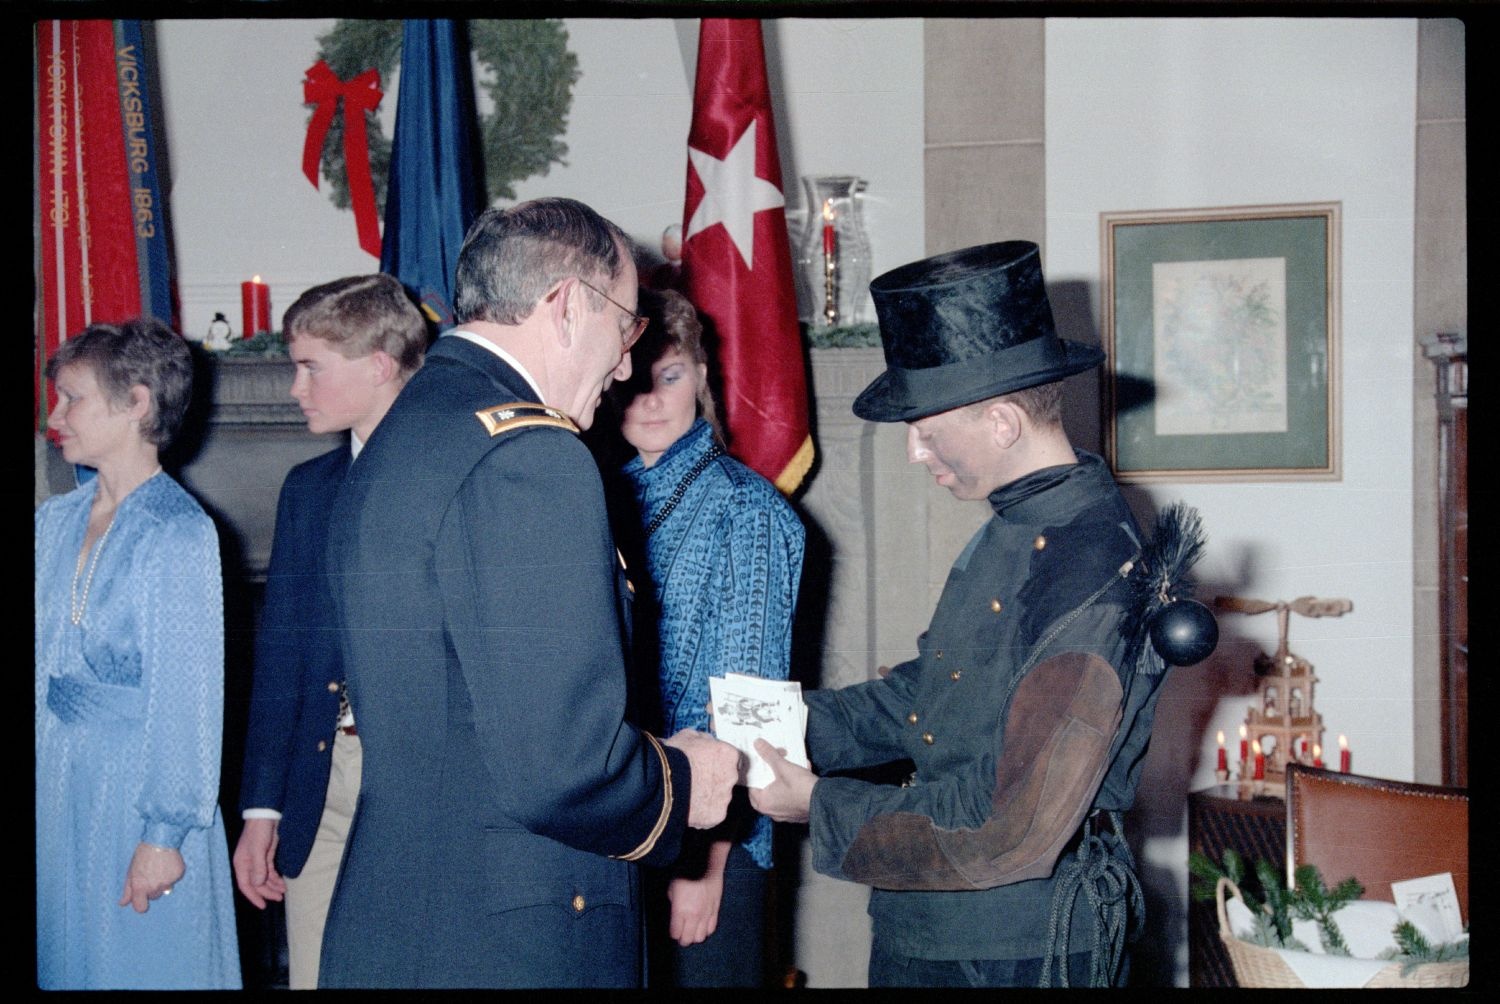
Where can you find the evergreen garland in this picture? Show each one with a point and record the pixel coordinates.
(269, 344)
(848, 336)
(525, 68)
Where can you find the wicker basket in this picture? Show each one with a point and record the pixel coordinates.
(1255, 966)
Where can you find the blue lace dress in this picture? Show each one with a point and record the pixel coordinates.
(129, 712)
(725, 564)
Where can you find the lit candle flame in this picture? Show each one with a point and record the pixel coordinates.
(256, 279)
(1221, 737)
(1255, 747)
(828, 210)
(1242, 732)
(1343, 743)
(1317, 752)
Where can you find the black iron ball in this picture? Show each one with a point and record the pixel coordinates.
(1184, 632)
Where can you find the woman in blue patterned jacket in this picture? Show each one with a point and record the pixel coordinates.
(724, 552)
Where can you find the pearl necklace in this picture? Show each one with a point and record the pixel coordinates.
(79, 604)
(713, 453)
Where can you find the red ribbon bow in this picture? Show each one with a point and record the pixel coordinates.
(362, 93)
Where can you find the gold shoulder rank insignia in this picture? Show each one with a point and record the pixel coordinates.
(522, 415)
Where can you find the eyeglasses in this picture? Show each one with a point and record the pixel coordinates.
(637, 322)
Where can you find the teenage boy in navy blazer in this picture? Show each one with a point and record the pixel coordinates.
(355, 342)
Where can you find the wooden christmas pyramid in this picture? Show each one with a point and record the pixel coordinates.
(1284, 721)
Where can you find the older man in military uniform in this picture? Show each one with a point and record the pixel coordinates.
(1023, 711)
(504, 800)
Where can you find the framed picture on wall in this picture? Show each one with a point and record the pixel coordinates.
(1222, 333)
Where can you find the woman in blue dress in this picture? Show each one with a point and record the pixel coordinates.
(132, 871)
(724, 551)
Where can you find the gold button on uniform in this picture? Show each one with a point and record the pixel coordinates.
(1040, 542)
(322, 745)
(956, 674)
(333, 686)
(927, 738)
(996, 605)
(912, 718)
(578, 904)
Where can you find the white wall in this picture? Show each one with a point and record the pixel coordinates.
(239, 204)
(1162, 114)
(849, 101)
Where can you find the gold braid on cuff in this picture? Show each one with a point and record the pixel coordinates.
(666, 805)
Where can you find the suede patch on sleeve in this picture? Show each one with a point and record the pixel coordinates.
(1057, 736)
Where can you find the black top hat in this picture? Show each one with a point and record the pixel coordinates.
(965, 326)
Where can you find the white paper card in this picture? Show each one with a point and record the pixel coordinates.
(1431, 904)
(747, 708)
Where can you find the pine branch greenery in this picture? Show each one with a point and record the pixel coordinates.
(1274, 906)
(528, 73)
(1313, 901)
(850, 336)
(1278, 898)
(1265, 934)
(263, 343)
(1204, 874)
(1412, 949)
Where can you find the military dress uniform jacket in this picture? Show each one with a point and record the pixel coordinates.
(294, 702)
(955, 856)
(504, 798)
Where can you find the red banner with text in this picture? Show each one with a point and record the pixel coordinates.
(101, 239)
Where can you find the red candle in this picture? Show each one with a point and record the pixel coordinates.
(1260, 763)
(1244, 746)
(1223, 755)
(828, 236)
(1317, 756)
(1343, 755)
(255, 301)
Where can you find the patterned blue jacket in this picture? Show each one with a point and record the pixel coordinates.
(725, 565)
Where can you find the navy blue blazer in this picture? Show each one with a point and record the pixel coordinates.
(504, 799)
(294, 700)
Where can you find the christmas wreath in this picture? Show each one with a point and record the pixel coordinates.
(524, 67)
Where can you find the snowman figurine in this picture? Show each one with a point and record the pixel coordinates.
(218, 334)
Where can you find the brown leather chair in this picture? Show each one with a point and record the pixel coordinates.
(1377, 830)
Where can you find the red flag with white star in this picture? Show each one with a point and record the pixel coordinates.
(736, 259)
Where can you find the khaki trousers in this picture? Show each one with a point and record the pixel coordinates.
(308, 895)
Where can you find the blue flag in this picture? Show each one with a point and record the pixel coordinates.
(434, 189)
(133, 59)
